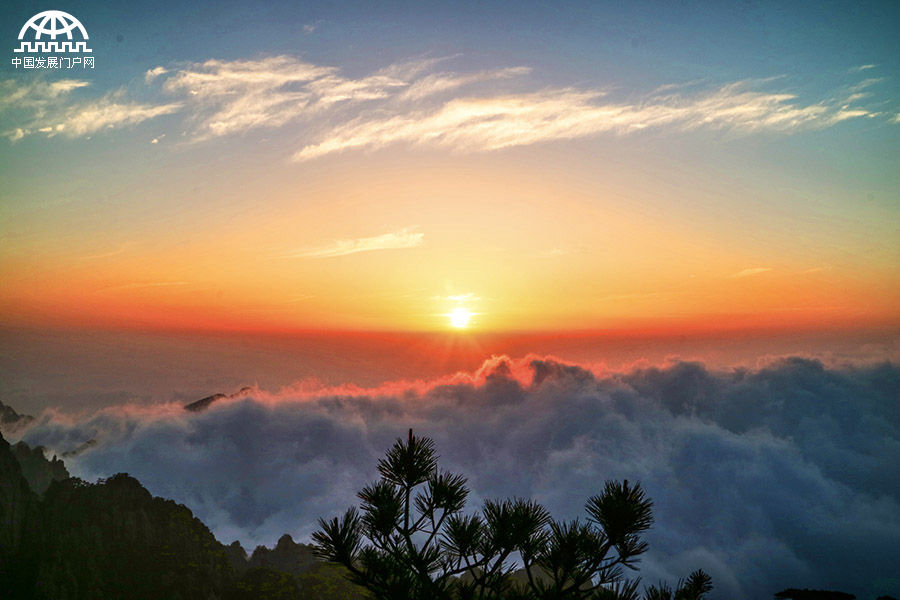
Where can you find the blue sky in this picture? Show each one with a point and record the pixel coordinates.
(674, 41)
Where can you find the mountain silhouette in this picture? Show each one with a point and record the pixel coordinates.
(11, 421)
(61, 537)
(38, 471)
(204, 403)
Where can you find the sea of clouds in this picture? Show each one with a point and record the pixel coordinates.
(785, 475)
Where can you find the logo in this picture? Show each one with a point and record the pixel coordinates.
(53, 32)
(47, 27)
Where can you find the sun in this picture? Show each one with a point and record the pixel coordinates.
(459, 317)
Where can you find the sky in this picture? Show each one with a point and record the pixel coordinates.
(570, 241)
(351, 166)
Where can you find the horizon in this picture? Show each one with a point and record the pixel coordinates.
(77, 369)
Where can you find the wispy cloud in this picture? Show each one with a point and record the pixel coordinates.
(750, 272)
(865, 83)
(30, 103)
(411, 103)
(36, 93)
(153, 73)
(493, 123)
(107, 113)
(403, 238)
(51, 114)
(230, 97)
(309, 28)
(438, 83)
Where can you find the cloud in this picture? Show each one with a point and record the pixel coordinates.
(750, 272)
(32, 102)
(229, 97)
(403, 238)
(107, 113)
(496, 122)
(438, 83)
(309, 28)
(405, 103)
(785, 475)
(232, 97)
(50, 113)
(36, 93)
(865, 83)
(409, 103)
(153, 73)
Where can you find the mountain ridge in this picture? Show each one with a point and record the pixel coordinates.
(114, 539)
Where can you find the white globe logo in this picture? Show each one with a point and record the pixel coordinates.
(53, 23)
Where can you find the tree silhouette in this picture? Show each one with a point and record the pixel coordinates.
(410, 539)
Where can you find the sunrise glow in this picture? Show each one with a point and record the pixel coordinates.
(459, 317)
(555, 195)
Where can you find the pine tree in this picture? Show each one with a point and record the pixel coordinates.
(411, 539)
